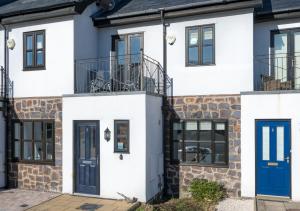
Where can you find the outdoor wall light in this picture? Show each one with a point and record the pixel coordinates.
(107, 134)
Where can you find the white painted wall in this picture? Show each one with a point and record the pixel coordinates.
(154, 146)
(268, 106)
(262, 41)
(234, 52)
(234, 56)
(127, 176)
(2, 151)
(57, 78)
(85, 34)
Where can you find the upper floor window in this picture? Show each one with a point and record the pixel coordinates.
(33, 141)
(200, 45)
(34, 50)
(203, 142)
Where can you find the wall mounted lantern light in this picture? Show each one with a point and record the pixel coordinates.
(107, 134)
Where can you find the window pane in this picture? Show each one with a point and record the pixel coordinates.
(39, 41)
(17, 128)
(205, 136)
(193, 37)
(191, 130)
(205, 153)
(177, 134)
(121, 51)
(27, 131)
(82, 142)
(135, 49)
(177, 151)
(205, 125)
(29, 42)
(220, 150)
(220, 126)
(37, 131)
(40, 57)
(37, 150)
(49, 151)
(280, 143)
(49, 131)
(207, 36)
(93, 143)
(29, 57)
(27, 150)
(191, 149)
(17, 149)
(193, 55)
(207, 55)
(266, 143)
(220, 135)
(122, 136)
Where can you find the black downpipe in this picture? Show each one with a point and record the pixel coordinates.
(165, 104)
(6, 102)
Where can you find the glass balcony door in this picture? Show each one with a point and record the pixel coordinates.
(286, 58)
(126, 72)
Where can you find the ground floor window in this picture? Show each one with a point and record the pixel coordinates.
(121, 136)
(33, 141)
(203, 142)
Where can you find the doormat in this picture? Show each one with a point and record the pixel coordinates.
(89, 207)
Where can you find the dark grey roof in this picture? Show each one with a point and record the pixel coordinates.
(278, 6)
(127, 7)
(15, 7)
(132, 7)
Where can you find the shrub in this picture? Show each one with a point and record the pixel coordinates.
(207, 191)
(179, 205)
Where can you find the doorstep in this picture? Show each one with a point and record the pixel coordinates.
(76, 203)
(271, 205)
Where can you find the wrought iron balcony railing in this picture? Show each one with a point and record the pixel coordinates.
(6, 85)
(277, 72)
(123, 73)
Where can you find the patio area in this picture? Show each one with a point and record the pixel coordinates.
(19, 200)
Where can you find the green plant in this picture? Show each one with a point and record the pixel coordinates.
(207, 191)
(179, 205)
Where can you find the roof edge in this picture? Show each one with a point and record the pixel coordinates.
(174, 12)
(79, 7)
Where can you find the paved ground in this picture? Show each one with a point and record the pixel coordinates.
(77, 203)
(263, 205)
(17, 200)
(232, 204)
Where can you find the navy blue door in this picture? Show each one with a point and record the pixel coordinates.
(87, 157)
(273, 144)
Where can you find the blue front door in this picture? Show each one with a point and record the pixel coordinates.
(87, 157)
(273, 145)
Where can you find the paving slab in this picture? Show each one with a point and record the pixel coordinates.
(19, 200)
(236, 204)
(77, 203)
(266, 205)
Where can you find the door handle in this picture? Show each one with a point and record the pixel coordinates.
(287, 159)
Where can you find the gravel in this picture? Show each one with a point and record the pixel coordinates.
(232, 204)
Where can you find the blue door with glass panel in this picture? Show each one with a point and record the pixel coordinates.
(87, 157)
(273, 170)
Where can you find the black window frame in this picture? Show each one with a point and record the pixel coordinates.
(34, 50)
(116, 150)
(213, 142)
(44, 141)
(200, 45)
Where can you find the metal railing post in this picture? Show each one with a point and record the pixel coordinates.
(142, 71)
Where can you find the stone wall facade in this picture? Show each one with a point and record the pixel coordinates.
(226, 107)
(37, 176)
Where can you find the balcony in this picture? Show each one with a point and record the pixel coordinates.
(277, 72)
(122, 73)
